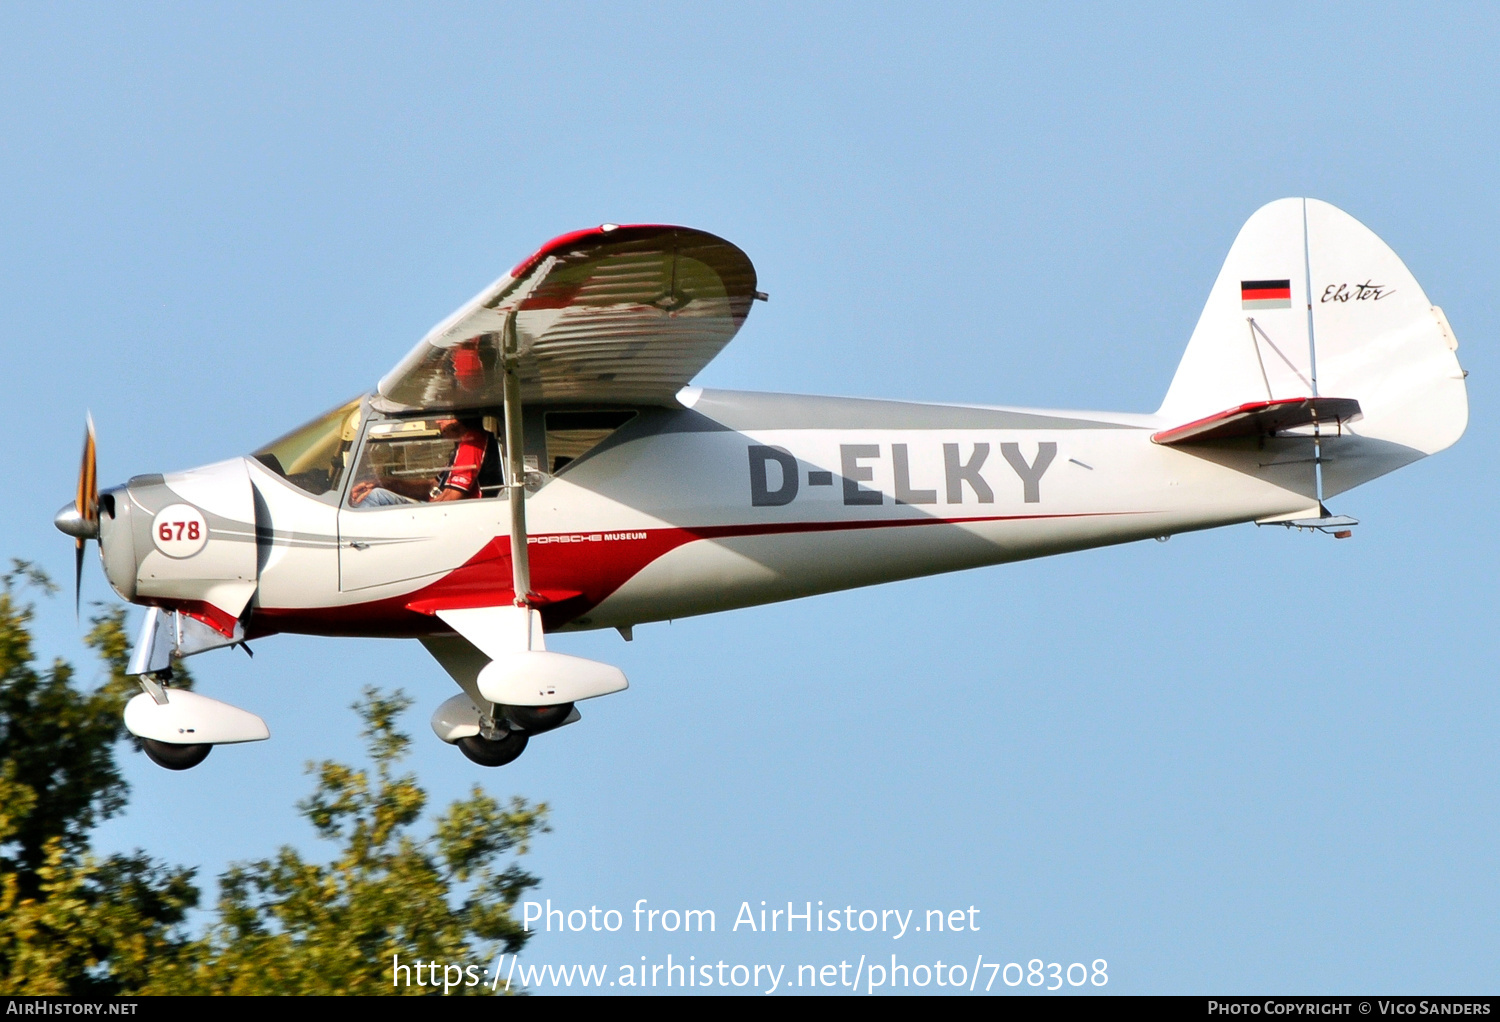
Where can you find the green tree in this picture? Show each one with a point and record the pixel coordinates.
(55, 741)
(69, 923)
(291, 926)
(72, 923)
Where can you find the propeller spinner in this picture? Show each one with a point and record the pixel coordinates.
(80, 519)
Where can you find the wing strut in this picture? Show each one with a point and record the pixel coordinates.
(515, 468)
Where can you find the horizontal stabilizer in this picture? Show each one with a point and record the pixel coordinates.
(1330, 522)
(1262, 418)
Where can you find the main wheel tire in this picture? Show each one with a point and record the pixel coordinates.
(536, 719)
(493, 752)
(175, 757)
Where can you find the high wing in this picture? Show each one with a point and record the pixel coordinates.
(612, 314)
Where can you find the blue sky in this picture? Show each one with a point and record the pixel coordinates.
(1240, 761)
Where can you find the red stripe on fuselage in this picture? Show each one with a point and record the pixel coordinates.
(560, 562)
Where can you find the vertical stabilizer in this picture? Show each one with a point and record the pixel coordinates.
(1372, 336)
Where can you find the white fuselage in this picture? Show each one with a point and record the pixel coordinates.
(698, 510)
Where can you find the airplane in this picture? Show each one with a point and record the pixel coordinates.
(541, 462)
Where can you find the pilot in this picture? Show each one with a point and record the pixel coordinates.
(459, 481)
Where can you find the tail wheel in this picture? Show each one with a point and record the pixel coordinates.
(535, 719)
(175, 757)
(493, 752)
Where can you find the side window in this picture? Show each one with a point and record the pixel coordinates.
(419, 461)
(572, 434)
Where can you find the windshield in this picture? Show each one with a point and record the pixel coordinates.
(313, 457)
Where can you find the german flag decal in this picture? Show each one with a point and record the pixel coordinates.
(1266, 294)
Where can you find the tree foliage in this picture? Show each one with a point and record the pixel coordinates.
(71, 923)
(290, 925)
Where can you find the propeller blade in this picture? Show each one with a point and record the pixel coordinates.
(87, 501)
(87, 505)
(78, 580)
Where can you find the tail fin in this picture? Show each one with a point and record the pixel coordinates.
(1371, 336)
